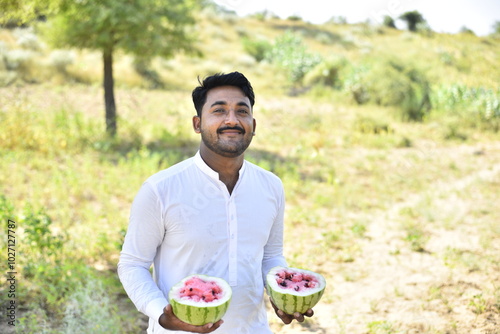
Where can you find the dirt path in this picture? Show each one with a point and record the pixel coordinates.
(397, 290)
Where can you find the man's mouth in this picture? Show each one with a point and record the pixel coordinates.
(231, 130)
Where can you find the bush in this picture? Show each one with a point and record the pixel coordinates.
(61, 59)
(392, 83)
(257, 48)
(327, 73)
(90, 310)
(475, 106)
(290, 54)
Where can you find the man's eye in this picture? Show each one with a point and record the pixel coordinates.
(243, 111)
(218, 110)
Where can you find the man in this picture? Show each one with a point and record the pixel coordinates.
(214, 214)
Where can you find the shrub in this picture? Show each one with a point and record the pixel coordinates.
(61, 59)
(90, 310)
(290, 54)
(389, 22)
(27, 39)
(392, 83)
(475, 106)
(327, 73)
(145, 70)
(257, 48)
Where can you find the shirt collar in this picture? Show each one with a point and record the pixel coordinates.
(209, 171)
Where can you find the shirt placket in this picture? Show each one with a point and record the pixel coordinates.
(233, 238)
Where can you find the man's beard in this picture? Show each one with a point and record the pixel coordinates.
(226, 148)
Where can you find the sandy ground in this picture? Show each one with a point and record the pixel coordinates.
(402, 291)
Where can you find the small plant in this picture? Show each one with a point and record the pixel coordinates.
(475, 106)
(290, 54)
(380, 327)
(90, 310)
(478, 304)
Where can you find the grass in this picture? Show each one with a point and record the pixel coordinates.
(400, 217)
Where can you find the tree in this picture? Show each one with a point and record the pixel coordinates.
(19, 12)
(465, 30)
(144, 28)
(389, 22)
(412, 19)
(496, 28)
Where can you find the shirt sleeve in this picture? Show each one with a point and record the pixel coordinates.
(273, 250)
(145, 233)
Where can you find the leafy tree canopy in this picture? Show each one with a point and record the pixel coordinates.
(412, 19)
(144, 28)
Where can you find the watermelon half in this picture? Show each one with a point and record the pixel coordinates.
(294, 290)
(200, 299)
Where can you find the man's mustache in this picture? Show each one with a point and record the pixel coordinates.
(231, 128)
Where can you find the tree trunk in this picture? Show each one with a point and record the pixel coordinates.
(109, 95)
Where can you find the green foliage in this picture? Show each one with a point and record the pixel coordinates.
(416, 236)
(19, 12)
(257, 48)
(290, 53)
(369, 125)
(392, 83)
(389, 22)
(75, 133)
(6, 209)
(381, 327)
(475, 106)
(90, 310)
(478, 304)
(412, 19)
(496, 28)
(143, 68)
(327, 73)
(294, 18)
(140, 27)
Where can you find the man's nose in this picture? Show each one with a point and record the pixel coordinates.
(231, 118)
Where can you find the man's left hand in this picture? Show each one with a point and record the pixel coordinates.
(288, 318)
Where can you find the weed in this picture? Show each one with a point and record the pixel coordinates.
(380, 327)
(90, 310)
(415, 233)
(478, 304)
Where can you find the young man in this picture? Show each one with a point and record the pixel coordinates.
(214, 214)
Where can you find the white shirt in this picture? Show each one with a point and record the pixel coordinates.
(184, 221)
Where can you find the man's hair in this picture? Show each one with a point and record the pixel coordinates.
(235, 79)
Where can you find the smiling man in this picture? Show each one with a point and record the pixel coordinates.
(214, 214)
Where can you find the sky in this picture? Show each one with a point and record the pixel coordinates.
(442, 15)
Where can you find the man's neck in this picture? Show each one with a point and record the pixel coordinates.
(227, 168)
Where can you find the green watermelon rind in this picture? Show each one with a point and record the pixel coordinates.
(289, 302)
(200, 315)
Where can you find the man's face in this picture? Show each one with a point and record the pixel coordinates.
(226, 124)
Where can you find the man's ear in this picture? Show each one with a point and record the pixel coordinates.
(197, 124)
(254, 126)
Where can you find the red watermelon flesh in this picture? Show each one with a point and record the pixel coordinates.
(198, 290)
(295, 280)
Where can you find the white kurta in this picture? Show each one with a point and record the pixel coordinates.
(184, 221)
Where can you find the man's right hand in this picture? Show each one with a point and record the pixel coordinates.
(168, 320)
